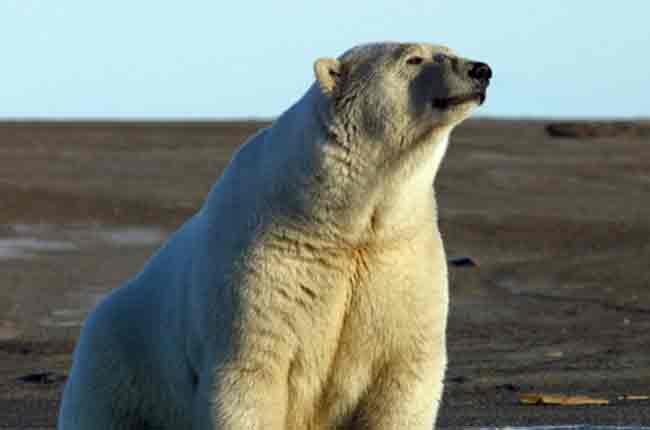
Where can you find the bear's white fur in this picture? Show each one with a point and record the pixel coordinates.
(310, 291)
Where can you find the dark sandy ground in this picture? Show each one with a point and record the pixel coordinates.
(559, 302)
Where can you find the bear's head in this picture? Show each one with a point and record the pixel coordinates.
(400, 90)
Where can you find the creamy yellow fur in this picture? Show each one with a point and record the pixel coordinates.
(310, 291)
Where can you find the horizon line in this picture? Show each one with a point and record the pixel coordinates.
(253, 119)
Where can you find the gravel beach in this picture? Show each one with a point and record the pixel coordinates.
(554, 297)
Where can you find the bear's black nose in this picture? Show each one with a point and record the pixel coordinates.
(481, 72)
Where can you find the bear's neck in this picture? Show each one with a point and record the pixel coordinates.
(387, 200)
(348, 187)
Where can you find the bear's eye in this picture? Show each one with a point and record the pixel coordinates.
(414, 61)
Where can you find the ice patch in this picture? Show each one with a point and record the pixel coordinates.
(65, 318)
(82, 301)
(133, 236)
(31, 229)
(7, 253)
(51, 322)
(67, 313)
(27, 248)
(25, 241)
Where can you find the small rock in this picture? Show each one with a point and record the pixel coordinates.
(458, 379)
(42, 378)
(8, 330)
(462, 261)
(508, 387)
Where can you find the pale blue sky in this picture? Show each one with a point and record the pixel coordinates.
(210, 59)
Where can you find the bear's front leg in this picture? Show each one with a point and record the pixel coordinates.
(406, 396)
(241, 398)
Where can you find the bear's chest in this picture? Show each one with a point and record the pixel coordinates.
(392, 297)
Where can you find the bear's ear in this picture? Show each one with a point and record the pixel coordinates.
(328, 73)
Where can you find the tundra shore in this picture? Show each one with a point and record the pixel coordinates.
(557, 304)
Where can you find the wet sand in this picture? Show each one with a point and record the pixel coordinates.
(559, 301)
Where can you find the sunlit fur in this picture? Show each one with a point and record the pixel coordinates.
(310, 291)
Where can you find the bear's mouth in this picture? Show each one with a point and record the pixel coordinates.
(447, 102)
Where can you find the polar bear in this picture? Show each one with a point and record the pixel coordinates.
(310, 290)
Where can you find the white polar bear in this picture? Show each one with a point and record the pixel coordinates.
(310, 291)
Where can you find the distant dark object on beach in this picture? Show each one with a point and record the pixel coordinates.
(460, 379)
(591, 129)
(42, 378)
(462, 261)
